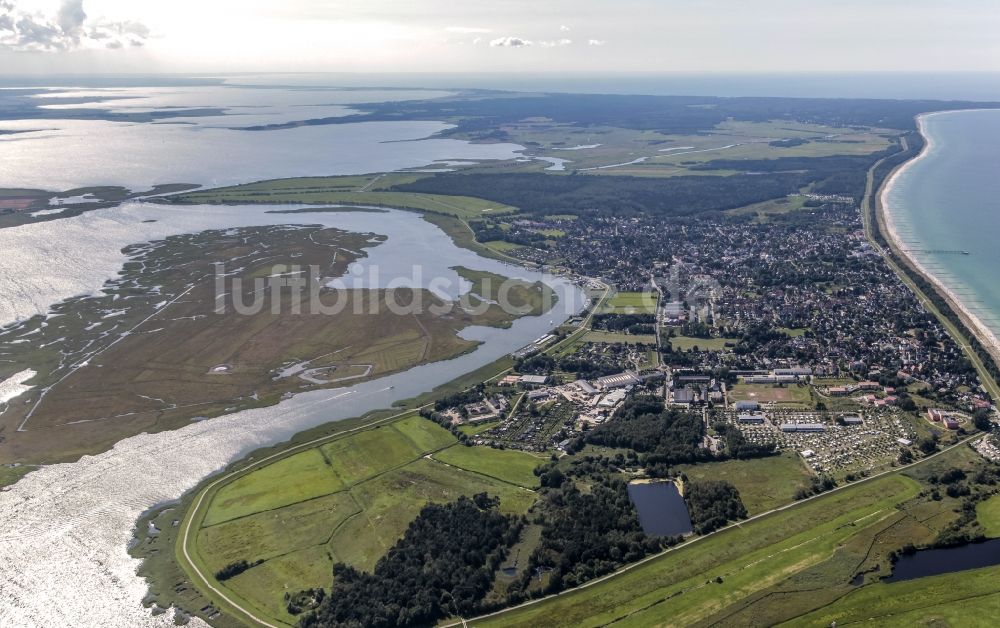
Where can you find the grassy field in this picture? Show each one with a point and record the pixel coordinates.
(499, 291)
(353, 190)
(791, 394)
(686, 343)
(507, 465)
(763, 483)
(767, 209)
(792, 333)
(10, 475)
(966, 598)
(616, 338)
(595, 148)
(502, 246)
(347, 500)
(553, 233)
(471, 429)
(679, 588)
(988, 514)
(392, 500)
(631, 303)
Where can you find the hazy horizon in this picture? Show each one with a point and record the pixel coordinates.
(53, 36)
(973, 86)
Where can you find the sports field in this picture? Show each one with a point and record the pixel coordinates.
(348, 500)
(788, 395)
(631, 303)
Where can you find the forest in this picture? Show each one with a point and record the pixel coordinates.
(632, 323)
(619, 195)
(584, 534)
(661, 436)
(712, 504)
(835, 174)
(444, 565)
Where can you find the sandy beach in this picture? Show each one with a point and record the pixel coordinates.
(985, 335)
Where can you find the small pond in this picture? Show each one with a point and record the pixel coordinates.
(662, 511)
(934, 562)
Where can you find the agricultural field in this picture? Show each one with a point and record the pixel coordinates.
(631, 303)
(347, 500)
(763, 483)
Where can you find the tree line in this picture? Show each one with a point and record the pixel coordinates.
(444, 565)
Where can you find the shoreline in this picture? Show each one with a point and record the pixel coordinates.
(884, 215)
(92, 537)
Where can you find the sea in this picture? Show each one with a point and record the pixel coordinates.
(945, 208)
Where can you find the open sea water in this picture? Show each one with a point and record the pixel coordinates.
(947, 202)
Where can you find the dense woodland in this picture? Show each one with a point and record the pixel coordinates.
(540, 193)
(835, 174)
(632, 323)
(444, 565)
(712, 504)
(660, 436)
(584, 534)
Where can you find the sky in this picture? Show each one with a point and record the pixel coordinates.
(398, 36)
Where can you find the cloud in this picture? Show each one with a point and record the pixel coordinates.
(71, 17)
(564, 28)
(467, 30)
(69, 29)
(596, 42)
(509, 42)
(554, 44)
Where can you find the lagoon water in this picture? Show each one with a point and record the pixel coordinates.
(948, 201)
(214, 150)
(64, 529)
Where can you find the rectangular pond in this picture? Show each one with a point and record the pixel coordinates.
(662, 511)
